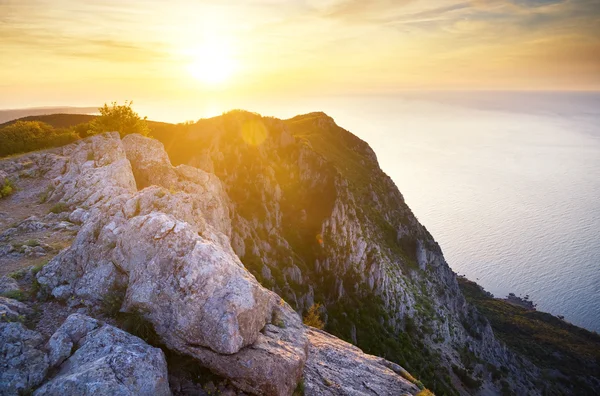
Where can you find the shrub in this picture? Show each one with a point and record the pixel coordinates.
(24, 136)
(18, 295)
(59, 208)
(300, 388)
(6, 188)
(135, 323)
(119, 118)
(313, 317)
(112, 301)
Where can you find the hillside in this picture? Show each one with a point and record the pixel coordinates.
(291, 211)
(13, 114)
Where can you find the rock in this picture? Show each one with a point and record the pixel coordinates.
(192, 291)
(150, 162)
(22, 363)
(6, 249)
(151, 166)
(31, 224)
(165, 250)
(335, 367)
(78, 216)
(12, 310)
(88, 183)
(105, 361)
(273, 365)
(74, 328)
(8, 284)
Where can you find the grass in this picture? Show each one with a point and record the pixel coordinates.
(59, 208)
(299, 391)
(18, 295)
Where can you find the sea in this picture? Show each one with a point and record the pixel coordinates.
(508, 182)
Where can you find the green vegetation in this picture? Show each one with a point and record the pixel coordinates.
(299, 391)
(18, 295)
(544, 339)
(31, 134)
(313, 317)
(135, 323)
(6, 188)
(24, 136)
(59, 208)
(119, 118)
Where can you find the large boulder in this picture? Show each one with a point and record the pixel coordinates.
(23, 364)
(272, 365)
(335, 367)
(193, 291)
(103, 360)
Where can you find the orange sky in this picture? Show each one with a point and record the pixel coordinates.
(64, 52)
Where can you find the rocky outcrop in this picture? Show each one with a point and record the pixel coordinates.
(273, 365)
(98, 359)
(335, 367)
(84, 357)
(305, 209)
(191, 290)
(164, 253)
(315, 219)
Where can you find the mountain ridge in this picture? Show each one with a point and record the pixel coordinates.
(314, 219)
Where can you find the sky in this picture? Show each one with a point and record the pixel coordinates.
(64, 52)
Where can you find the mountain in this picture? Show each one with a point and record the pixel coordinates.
(14, 114)
(208, 243)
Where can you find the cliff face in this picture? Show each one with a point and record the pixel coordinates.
(200, 251)
(316, 220)
(148, 250)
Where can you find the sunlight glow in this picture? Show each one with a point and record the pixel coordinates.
(213, 63)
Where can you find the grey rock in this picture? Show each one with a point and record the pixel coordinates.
(335, 367)
(23, 364)
(193, 291)
(106, 361)
(6, 249)
(12, 310)
(8, 284)
(273, 365)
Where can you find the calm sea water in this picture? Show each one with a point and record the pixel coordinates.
(507, 183)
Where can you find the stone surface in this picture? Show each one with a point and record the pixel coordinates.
(193, 291)
(103, 360)
(335, 367)
(12, 310)
(23, 364)
(165, 251)
(273, 365)
(8, 284)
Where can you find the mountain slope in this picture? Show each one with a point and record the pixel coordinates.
(315, 219)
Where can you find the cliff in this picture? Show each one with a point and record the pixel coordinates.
(209, 246)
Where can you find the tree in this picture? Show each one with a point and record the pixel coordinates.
(119, 118)
(24, 136)
(313, 317)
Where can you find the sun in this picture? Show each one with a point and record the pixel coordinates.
(212, 63)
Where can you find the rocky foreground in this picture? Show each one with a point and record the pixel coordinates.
(152, 242)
